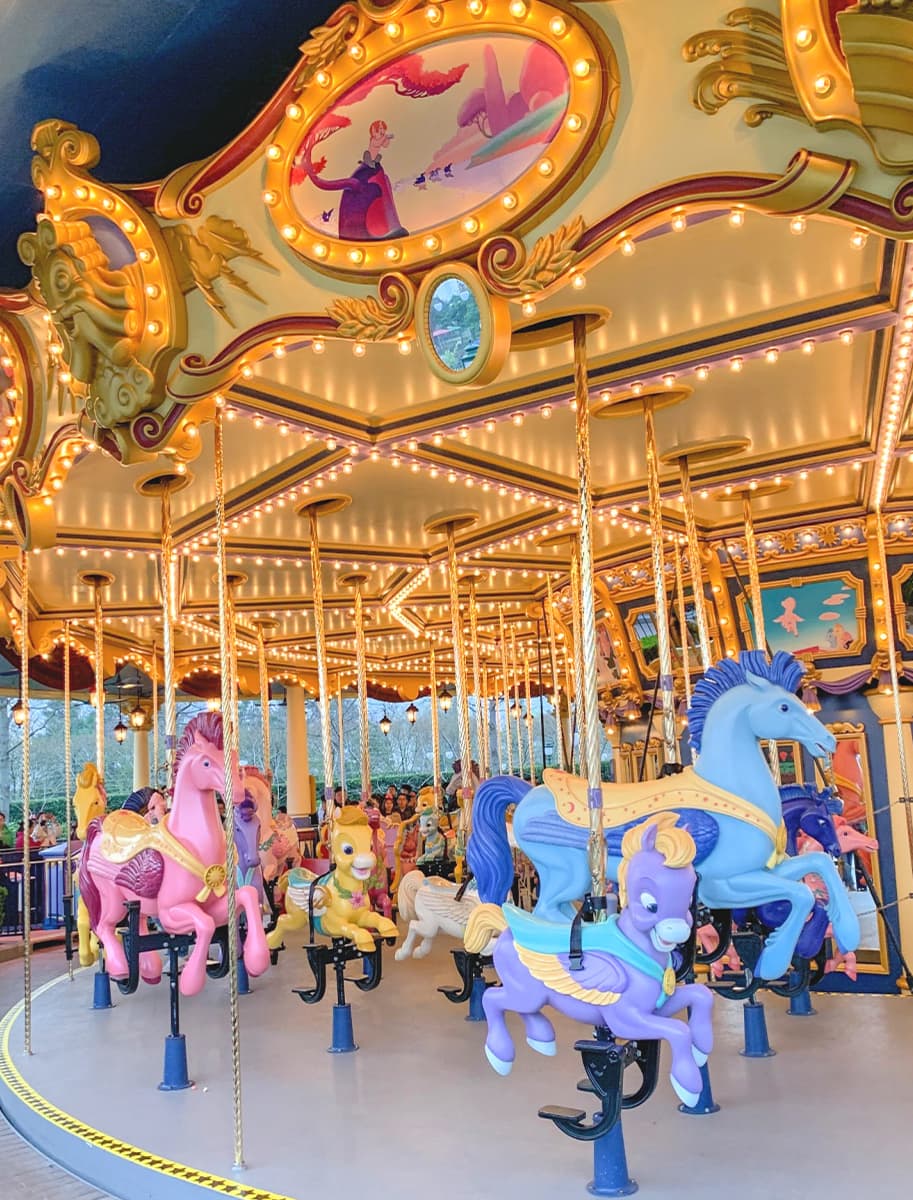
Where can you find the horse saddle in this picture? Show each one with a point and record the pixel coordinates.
(627, 803)
(553, 937)
(124, 834)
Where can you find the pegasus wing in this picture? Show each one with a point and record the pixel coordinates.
(602, 979)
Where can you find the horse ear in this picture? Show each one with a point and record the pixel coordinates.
(757, 681)
(648, 841)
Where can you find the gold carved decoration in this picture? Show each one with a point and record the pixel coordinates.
(507, 268)
(749, 64)
(328, 42)
(120, 326)
(795, 67)
(372, 319)
(202, 256)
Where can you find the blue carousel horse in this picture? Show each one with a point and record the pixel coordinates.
(727, 801)
(808, 811)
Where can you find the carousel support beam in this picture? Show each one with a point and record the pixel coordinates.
(477, 685)
(298, 772)
(505, 678)
(577, 634)
(549, 613)
(515, 694)
(529, 721)
(24, 654)
(263, 626)
(140, 758)
(341, 736)
(96, 581)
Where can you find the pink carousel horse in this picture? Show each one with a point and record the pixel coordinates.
(176, 869)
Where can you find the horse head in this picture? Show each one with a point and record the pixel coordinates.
(90, 799)
(777, 715)
(199, 763)
(428, 822)
(352, 845)
(656, 882)
(820, 826)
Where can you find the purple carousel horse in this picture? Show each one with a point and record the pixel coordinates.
(247, 845)
(626, 978)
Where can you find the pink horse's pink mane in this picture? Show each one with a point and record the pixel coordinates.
(209, 726)
(255, 773)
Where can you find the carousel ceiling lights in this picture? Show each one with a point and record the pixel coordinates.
(18, 713)
(385, 724)
(412, 714)
(120, 732)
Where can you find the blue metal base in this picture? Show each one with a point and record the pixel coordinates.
(101, 996)
(610, 1166)
(476, 1011)
(705, 1102)
(800, 1005)
(343, 1034)
(243, 979)
(366, 968)
(757, 1043)
(175, 1077)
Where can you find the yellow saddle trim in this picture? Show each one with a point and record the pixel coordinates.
(548, 970)
(124, 834)
(626, 802)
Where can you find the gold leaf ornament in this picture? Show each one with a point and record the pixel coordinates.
(376, 318)
(328, 42)
(505, 264)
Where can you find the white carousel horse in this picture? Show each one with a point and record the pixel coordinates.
(431, 907)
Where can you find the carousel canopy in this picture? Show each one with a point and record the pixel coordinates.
(370, 252)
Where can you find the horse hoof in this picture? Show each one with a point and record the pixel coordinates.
(699, 1056)
(498, 1064)
(689, 1099)
(549, 1049)
(401, 954)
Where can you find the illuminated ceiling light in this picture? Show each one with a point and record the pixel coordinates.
(737, 218)
(323, 78)
(279, 350)
(509, 200)
(582, 68)
(289, 232)
(546, 411)
(574, 122)
(385, 724)
(668, 380)
(120, 732)
(557, 27)
(247, 372)
(359, 349)
(736, 364)
(846, 337)
(475, 7)
(356, 255)
(578, 280)
(412, 714)
(528, 307)
(797, 224)
(137, 716)
(517, 418)
(490, 425)
(771, 354)
(702, 373)
(471, 225)
(808, 346)
(393, 253)
(394, 29)
(405, 345)
(518, 9)
(463, 431)
(432, 242)
(19, 713)
(824, 85)
(546, 166)
(433, 14)
(805, 37)
(679, 221)
(858, 238)
(445, 699)
(627, 246)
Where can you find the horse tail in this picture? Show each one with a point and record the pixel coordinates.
(485, 922)
(405, 894)
(88, 889)
(488, 849)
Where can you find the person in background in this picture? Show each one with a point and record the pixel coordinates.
(6, 834)
(48, 828)
(456, 782)
(35, 839)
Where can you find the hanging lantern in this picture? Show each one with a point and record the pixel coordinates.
(137, 716)
(412, 714)
(446, 699)
(19, 713)
(120, 732)
(385, 724)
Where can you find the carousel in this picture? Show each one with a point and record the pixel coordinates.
(540, 371)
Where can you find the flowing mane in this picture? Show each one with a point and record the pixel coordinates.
(208, 725)
(783, 669)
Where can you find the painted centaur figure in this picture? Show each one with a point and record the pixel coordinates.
(176, 869)
(728, 802)
(625, 979)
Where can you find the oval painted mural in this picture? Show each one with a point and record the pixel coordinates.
(429, 137)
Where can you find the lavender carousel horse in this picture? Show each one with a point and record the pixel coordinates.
(625, 980)
(727, 801)
(247, 846)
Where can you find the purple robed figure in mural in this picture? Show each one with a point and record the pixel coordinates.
(626, 978)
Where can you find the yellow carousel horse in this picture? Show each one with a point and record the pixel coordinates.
(340, 902)
(89, 801)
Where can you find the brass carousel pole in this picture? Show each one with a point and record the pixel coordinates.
(230, 742)
(529, 721)
(895, 678)
(68, 786)
(577, 633)
(506, 681)
(26, 798)
(263, 678)
(666, 678)
(680, 455)
(477, 685)
(168, 588)
(680, 598)
(341, 736)
(313, 510)
(515, 692)
(357, 580)
(155, 719)
(591, 753)
(435, 726)
(97, 582)
(548, 611)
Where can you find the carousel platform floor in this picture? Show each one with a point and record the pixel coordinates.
(417, 1110)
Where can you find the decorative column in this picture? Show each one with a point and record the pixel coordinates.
(96, 581)
(263, 626)
(505, 678)
(435, 726)
(548, 611)
(898, 747)
(298, 775)
(481, 740)
(140, 758)
(357, 580)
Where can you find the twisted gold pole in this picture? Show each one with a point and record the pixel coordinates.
(467, 783)
(477, 677)
(156, 768)
(167, 587)
(577, 633)
(361, 667)
(694, 565)
(263, 672)
(435, 726)
(515, 692)
(99, 683)
(68, 776)
(529, 721)
(323, 678)
(230, 743)
(666, 679)
(680, 598)
(548, 613)
(591, 751)
(754, 576)
(340, 735)
(895, 678)
(506, 681)
(26, 800)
